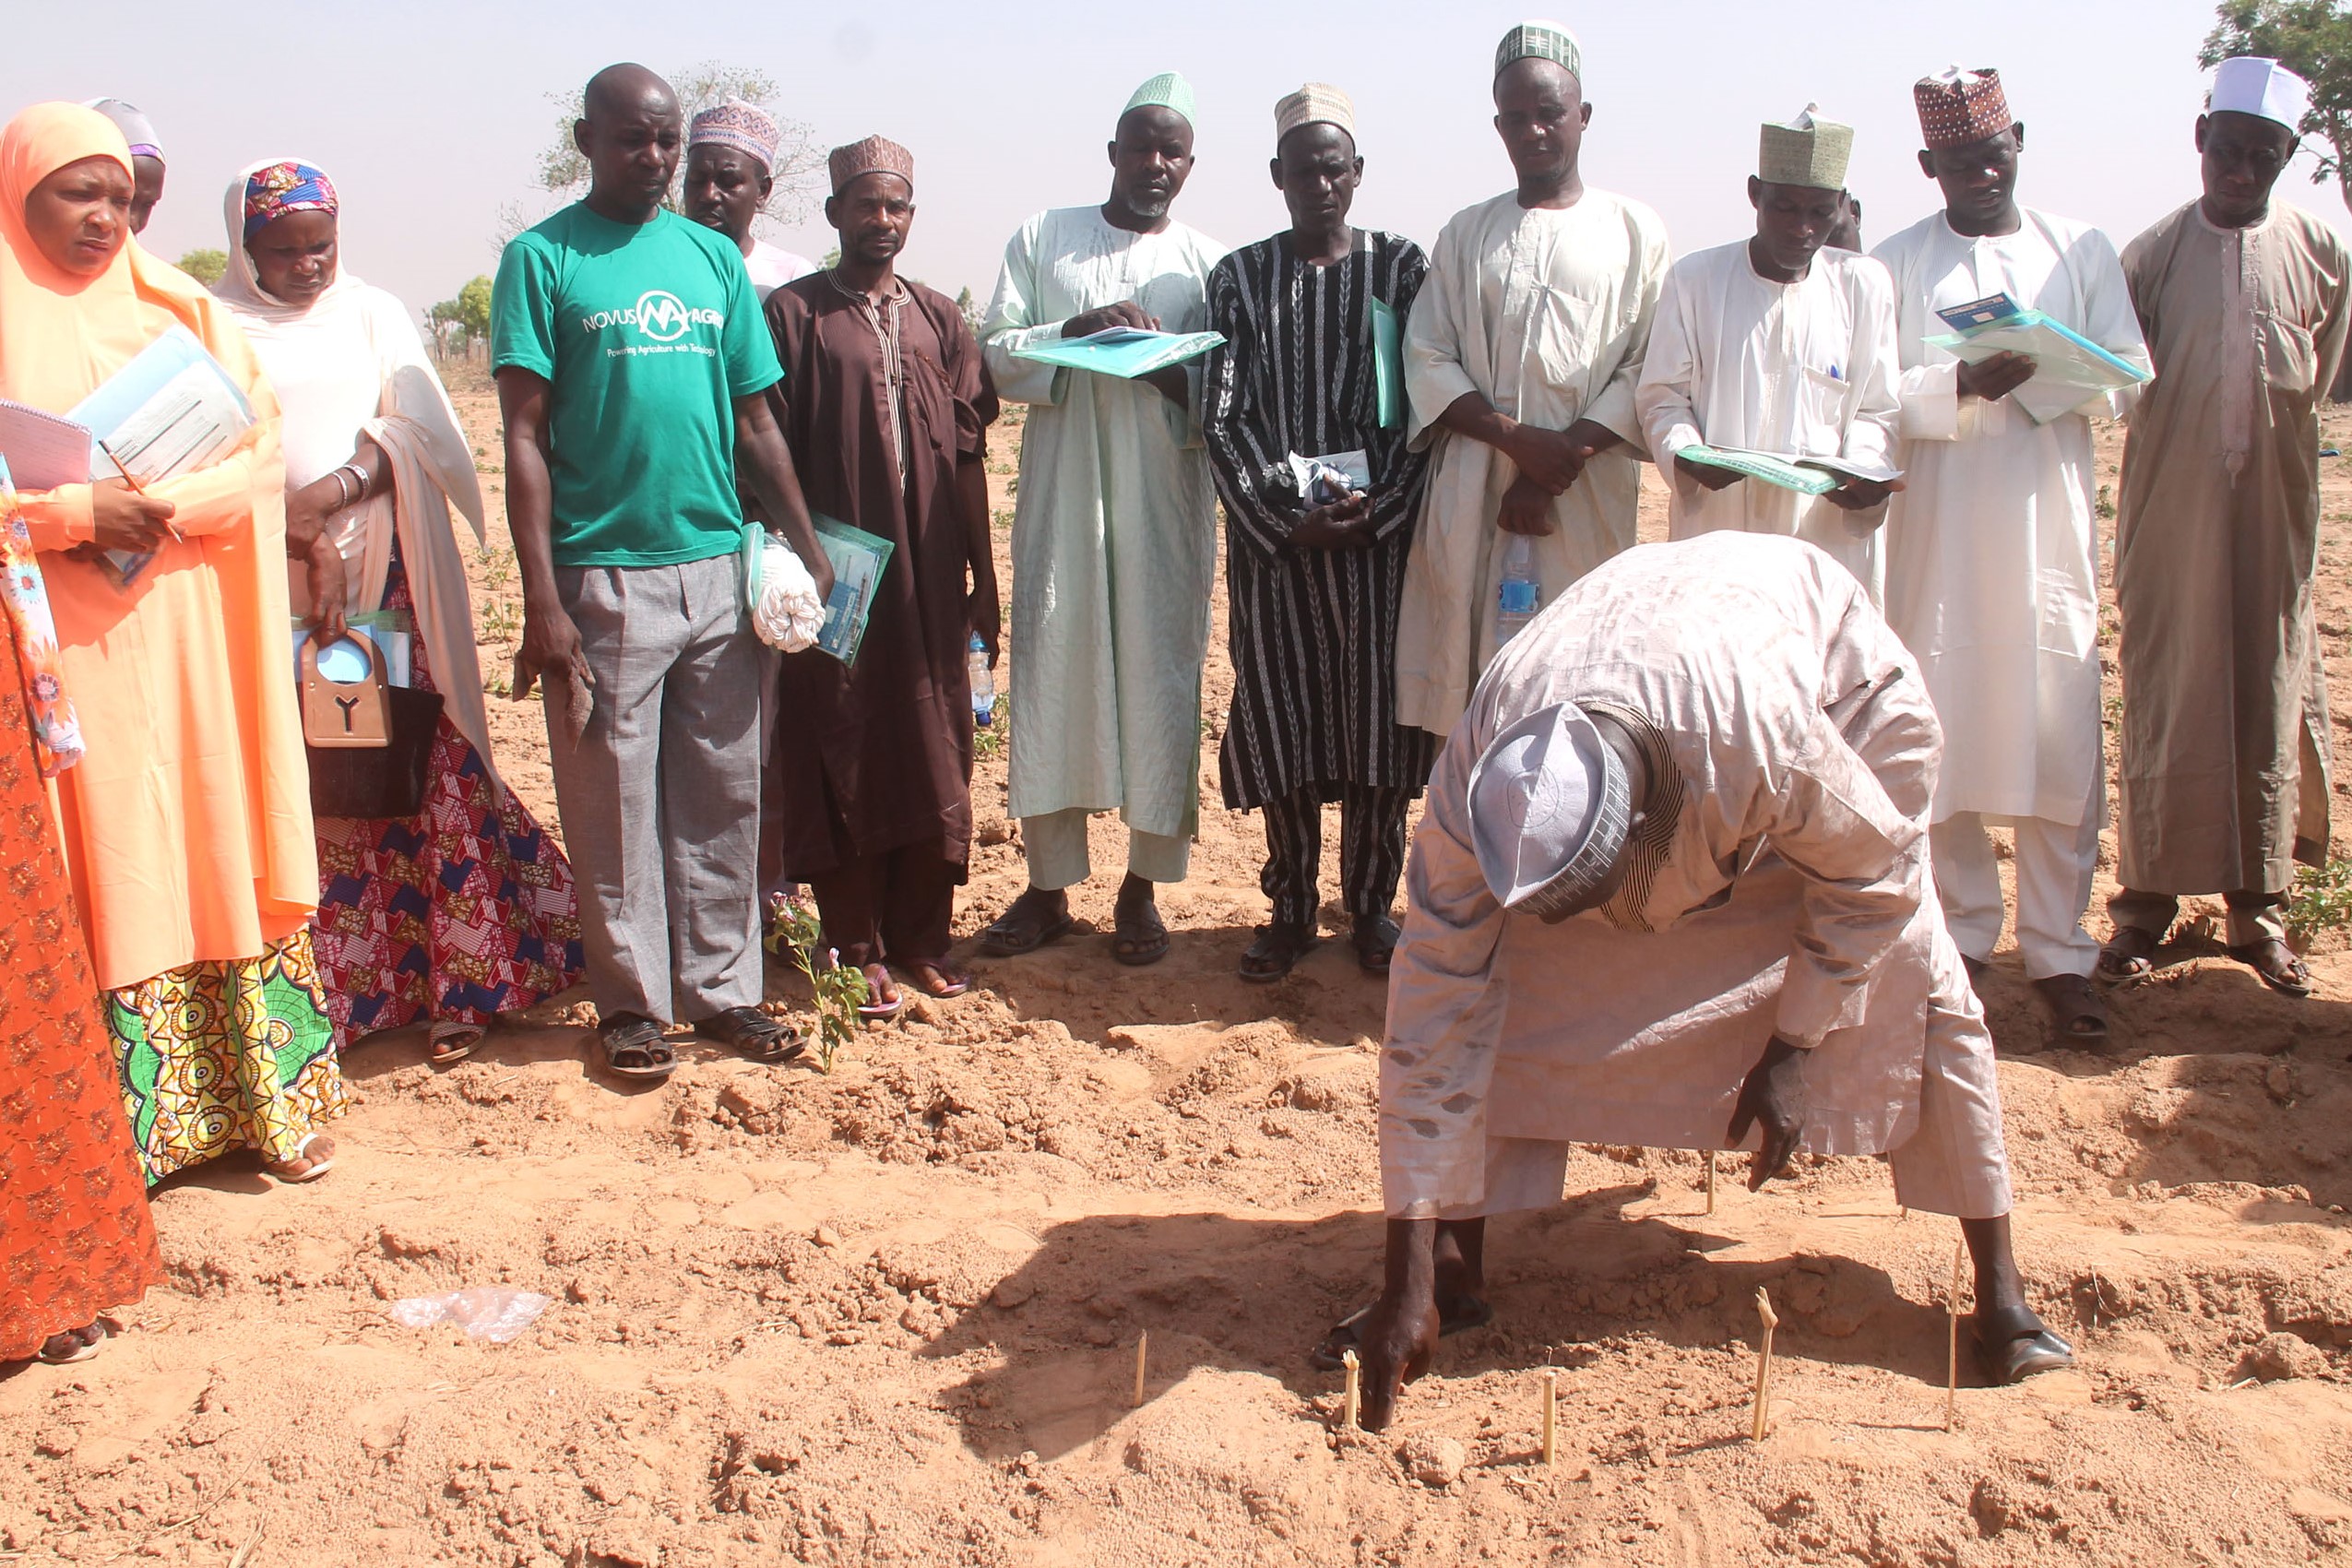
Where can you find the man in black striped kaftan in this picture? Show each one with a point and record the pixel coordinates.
(1314, 579)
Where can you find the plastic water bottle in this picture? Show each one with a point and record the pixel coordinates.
(1522, 592)
(984, 681)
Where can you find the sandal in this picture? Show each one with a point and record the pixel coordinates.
(1138, 935)
(2076, 1007)
(302, 1165)
(1036, 917)
(2128, 955)
(2276, 965)
(448, 1043)
(936, 980)
(1455, 1315)
(73, 1344)
(633, 1047)
(1277, 952)
(2014, 1345)
(753, 1033)
(1375, 943)
(876, 1007)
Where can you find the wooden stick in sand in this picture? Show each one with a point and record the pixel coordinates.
(1710, 1181)
(1354, 1391)
(1142, 1350)
(1551, 1414)
(1952, 1313)
(1763, 1366)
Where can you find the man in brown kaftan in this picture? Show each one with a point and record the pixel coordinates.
(886, 407)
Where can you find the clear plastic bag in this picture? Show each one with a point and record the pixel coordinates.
(495, 1312)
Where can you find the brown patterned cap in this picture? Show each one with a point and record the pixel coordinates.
(1959, 108)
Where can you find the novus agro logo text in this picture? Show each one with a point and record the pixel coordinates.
(657, 314)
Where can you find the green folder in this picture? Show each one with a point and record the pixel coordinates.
(1769, 467)
(1388, 363)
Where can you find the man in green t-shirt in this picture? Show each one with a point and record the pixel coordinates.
(631, 360)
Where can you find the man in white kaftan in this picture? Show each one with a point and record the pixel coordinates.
(1717, 912)
(1114, 535)
(1992, 574)
(1778, 344)
(1521, 356)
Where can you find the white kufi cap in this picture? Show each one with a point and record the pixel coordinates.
(1550, 808)
(2252, 85)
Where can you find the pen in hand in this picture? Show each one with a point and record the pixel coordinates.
(176, 536)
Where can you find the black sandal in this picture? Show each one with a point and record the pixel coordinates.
(1018, 930)
(1138, 935)
(2014, 1345)
(2276, 965)
(626, 1035)
(1455, 1315)
(2076, 1007)
(1375, 941)
(1275, 953)
(754, 1034)
(2128, 955)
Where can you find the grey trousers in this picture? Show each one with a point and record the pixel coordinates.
(660, 798)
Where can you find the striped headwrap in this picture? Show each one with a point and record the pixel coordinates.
(281, 188)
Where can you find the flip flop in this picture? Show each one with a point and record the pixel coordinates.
(632, 1034)
(1012, 934)
(2014, 1345)
(1275, 953)
(1455, 1315)
(951, 985)
(2075, 1008)
(448, 1043)
(753, 1033)
(73, 1344)
(283, 1169)
(2276, 965)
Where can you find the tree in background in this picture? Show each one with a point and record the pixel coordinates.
(461, 322)
(207, 266)
(564, 173)
(2313, 39)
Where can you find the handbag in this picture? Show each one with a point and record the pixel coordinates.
(370, 743)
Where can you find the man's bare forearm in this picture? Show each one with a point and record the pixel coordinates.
(1472, 415)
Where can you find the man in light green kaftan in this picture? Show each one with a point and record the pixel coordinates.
(1114, 536)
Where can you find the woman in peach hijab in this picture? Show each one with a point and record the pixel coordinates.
(187, 825)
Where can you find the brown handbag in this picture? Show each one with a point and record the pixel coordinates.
(370, 743)
(335, 715)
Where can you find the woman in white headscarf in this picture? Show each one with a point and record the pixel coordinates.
(467, 910)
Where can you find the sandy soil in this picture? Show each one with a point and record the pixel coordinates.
(891, 1315)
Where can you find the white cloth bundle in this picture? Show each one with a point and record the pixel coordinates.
(785, 610)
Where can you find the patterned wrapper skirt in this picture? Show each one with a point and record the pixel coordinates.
(464, 910)
(225, 1055)
(75, 1236)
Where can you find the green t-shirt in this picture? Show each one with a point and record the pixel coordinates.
(647, 333)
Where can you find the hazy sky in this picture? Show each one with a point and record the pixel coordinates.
(429, 113)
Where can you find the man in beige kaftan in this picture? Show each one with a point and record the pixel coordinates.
(1521, 357)
(1674, 876)
(2245, 302)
